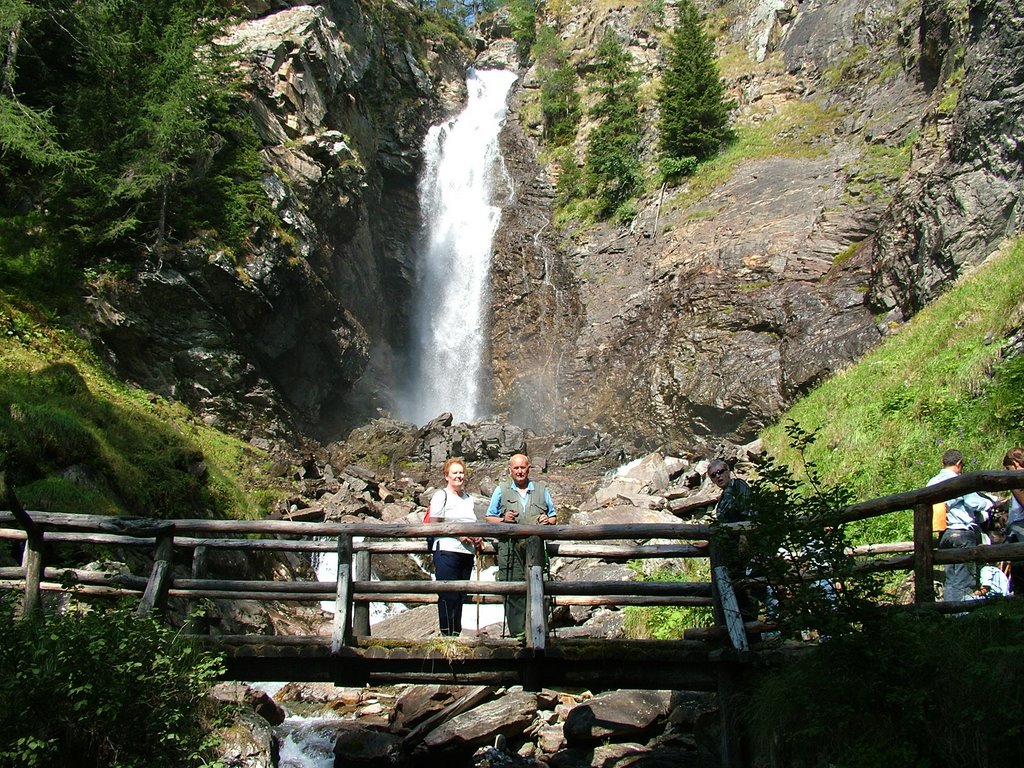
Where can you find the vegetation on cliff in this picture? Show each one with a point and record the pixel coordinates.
(73, 439)
(693, 108)
(122, 132)
(952, 377)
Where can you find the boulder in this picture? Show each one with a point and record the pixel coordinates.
(509, 716)
(652, 472)
(254, 699)
(616, 716)
(247, 742)
(419, 702)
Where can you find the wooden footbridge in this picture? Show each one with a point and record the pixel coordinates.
(179, 552)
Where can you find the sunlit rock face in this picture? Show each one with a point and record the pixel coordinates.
(702, 321)
(300, 330)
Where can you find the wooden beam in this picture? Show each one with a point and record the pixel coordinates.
(536, 615)
(156, 588)
(924, 583)
(731, 610)
(343, 600)
(361, 611)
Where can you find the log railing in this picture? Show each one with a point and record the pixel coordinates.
(356, 543)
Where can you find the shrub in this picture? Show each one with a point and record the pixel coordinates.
(913, 688)
(100, 687)
(800, 551)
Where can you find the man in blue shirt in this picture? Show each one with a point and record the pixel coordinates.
(965, 515)
(515, 498)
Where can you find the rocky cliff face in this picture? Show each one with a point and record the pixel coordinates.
(341, 94)
(879, 157)
(719, 307)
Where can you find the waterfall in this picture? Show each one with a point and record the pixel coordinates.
(462, 174)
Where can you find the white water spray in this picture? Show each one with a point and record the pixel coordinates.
(462, 171)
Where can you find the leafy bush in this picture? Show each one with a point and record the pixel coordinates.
(100, 687)
(913, 688)
(800, 551)
(675, 168)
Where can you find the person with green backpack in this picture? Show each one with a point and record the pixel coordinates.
(518, 498)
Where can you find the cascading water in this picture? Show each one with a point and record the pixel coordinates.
(462, 172)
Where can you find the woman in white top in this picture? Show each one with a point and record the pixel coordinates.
(453, 557)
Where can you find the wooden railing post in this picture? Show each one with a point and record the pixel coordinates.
(199, 623)
(536, 615)
(33, 556)
(361, 611)
(160, 576)
(343, 602)
(924, 582)
(32, 561)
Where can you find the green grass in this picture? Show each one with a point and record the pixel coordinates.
(795, 132)
(72, 439)
(667, 622)
(941, 381)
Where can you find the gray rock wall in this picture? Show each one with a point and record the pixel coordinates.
(302, 329)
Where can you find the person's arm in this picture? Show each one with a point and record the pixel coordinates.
(552, 516)
(1018, 494)
(494, 508)
(437, 504)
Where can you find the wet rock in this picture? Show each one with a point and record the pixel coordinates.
(246, 743)
(251, 698)
(361, 747)
(617, 715)
(508, 716)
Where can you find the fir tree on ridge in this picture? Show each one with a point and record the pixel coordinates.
(694, 121)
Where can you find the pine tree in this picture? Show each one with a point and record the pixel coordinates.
(559, 101)
(612, 168)
(694, 109)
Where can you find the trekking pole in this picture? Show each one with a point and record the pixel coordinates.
(478, 595)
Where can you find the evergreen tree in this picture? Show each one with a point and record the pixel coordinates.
(559, 101)
(694, 109)
(127, 116)
(612, 169)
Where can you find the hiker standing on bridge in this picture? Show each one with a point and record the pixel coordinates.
(518, 497)
(965, 515)
(1014, 461)
(733, 507)
(453, 557)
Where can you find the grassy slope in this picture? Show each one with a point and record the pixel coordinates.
(943, 381)
(73, 439)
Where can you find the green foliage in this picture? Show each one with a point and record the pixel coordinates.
(797, 547)
(103, 688)
(675, 168)
(947, 379)
(668, 622)
(913, 688)
(523, 20)
(694, 110)
(71, 440)
(559, 101)
(612, 167)
(124, 131)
